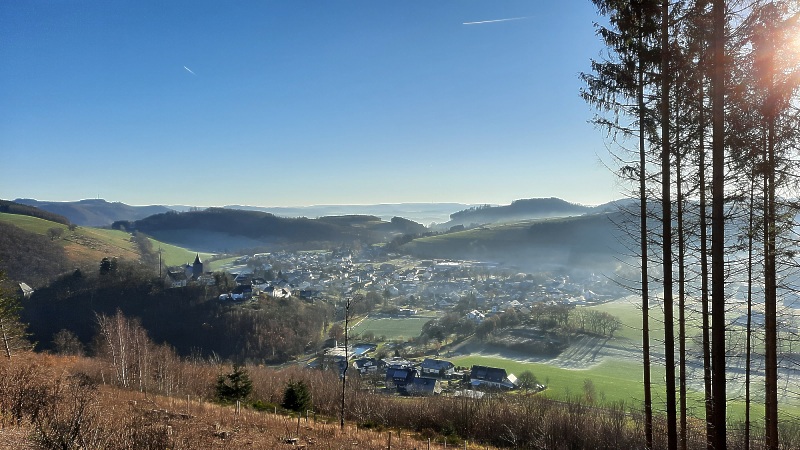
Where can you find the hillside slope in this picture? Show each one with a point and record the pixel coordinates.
(583, 242)
(524, 209)
(28, 253)
(222, 229)
(29, 257)
(95, 212)
(27, 210)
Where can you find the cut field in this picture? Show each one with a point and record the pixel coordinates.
(393, 329)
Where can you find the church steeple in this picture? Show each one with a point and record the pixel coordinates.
(197, 267)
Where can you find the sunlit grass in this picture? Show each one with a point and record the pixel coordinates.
(393, 329)
(29, 223)
(172, 255)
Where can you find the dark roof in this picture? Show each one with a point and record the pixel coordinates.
(402, 375)
(243, 289)
(368, 362)
(177, 275)
(436, 364)
(197, 259)
(422, 384)
(493, 374)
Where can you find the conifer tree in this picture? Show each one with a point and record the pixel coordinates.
(235, 386)
(297, 397)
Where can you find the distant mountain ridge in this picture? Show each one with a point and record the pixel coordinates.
(523, 209)
(95, 212)
(424, 213)
(99, 212)
(217, 229)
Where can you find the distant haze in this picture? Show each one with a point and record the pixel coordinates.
(423, 213)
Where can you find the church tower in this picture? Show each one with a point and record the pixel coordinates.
(197, 267)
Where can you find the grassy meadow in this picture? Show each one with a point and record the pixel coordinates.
(89, 245)
(394, 329)
(82, 245)
(618, 380)
(172, 255)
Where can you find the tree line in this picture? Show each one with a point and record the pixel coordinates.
(701, 98)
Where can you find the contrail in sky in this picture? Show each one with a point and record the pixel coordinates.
(493, 21)
(189, 70)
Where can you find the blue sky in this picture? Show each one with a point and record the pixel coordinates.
(298, 102)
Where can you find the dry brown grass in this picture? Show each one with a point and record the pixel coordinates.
(52, 402)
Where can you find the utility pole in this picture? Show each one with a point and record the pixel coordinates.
(347, 304)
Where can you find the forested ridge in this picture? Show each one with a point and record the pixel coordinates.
(26, 210)
(531, 208)
(267, 227)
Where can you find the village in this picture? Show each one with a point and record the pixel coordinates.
(401, 286)
(434, 285)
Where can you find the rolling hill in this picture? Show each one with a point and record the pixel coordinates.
(27, 210)
(222, 229)
(582, 242)
(94, 213)
(423, 213)
(524, 209)
(28, 252)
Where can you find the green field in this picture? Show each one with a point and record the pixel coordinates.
(112, 242)
(217, 264)
(393, 329)
(29, 223)
(621, 380)
(629, 311)
(173, 255)
(614, 381)
(487, 233)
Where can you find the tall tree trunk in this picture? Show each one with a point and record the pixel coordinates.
(704, 278)
(749, 331)
(718, 225)
(648, 399)
(770, 294)
(704, 299)
(666, 223)
(681, 298)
